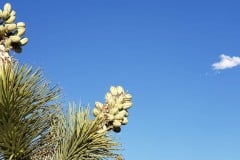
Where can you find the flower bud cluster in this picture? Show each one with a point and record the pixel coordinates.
(11, 33)
(115, 108)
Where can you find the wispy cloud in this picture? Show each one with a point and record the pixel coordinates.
(226, 62)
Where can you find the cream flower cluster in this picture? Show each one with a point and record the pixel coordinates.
(115, 108)
(11, 33)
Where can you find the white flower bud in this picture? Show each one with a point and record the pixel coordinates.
(96, 112)
(116, 123)
(128, 96)
(120, 99)
(110, 117)
(120, 89)
(124, 121)
(5, 14)
(15, 39)
(13, 13)
(99, 105)
(7, 7)
(21, 24)
(108, 96)
(21, 31)
(11, 19)
(127, 105)
(123, 112)
(119, 116)
(119, 106)
(11, 27)
(24, 41)
(113, 111)
(113, 90)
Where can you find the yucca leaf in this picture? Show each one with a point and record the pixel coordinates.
(81, 139)
(27, 106)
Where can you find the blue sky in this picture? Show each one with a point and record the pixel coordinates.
(162, 52)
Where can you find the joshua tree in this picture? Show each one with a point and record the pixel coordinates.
(33, 125)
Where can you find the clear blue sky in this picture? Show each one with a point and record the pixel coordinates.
(160, 51)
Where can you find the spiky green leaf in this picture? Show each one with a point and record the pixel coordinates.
(27, 107)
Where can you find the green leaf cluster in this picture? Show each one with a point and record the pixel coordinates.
(81, 138)
(33, 127)
(27, 107)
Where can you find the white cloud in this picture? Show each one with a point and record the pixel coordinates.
(226, 62)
